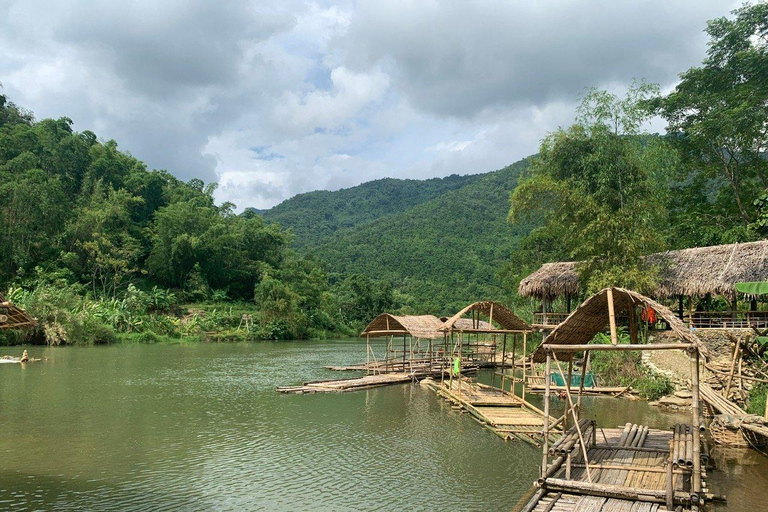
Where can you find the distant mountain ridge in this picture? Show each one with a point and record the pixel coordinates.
(441, 242)
(315, 216)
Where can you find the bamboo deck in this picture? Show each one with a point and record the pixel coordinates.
(343, 385)
(503, 413)
(628, 472)
(536, 384)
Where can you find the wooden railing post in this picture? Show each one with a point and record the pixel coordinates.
(612, 317)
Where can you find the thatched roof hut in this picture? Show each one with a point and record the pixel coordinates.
(416, 326)
(550, 281)
(714, 270)
(591, 317)
(500, 319)
(12, 317)
(696, 271)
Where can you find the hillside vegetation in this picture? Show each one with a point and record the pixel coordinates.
(440, 254)
(316, 216)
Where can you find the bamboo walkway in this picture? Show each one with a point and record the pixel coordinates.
(501, 412)
(631, 469)
(343, 385)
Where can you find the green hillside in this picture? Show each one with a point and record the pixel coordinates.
(316, 216)
(440, 254)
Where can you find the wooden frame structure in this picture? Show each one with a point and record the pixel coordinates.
(414, 357)
(13, 317)
(636, 464)
(501, 323)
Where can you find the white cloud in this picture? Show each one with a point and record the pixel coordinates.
(275, 98)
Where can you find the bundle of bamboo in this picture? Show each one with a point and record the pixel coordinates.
(682, 446)
(633, 435)
(567, 443)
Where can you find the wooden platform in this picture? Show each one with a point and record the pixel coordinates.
(503, 413)
(343, 385)
(536, 384)
(630, 463)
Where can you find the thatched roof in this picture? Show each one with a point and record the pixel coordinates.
(504, 318)
(697, 271)
(12, 317)
(550, 281)
(416, 326)
(714, 270)
(591, 317)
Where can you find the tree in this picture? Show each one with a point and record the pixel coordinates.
(597, 189)
(100, 243)
(719, 113)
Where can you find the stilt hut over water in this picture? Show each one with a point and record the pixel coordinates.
(476, 333)
(686, 276)
(418, 334)
(13, 317)
(609, 469)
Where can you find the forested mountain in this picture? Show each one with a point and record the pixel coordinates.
(439, 243)
(315, 216)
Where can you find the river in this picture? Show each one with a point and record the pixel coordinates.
(200, 427)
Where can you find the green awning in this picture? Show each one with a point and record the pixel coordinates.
(754, 288)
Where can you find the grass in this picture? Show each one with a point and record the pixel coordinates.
(756, 399)
(625, 368)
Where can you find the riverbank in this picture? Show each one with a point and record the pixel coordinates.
(152, 317)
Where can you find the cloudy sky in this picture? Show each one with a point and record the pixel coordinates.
(271, 99)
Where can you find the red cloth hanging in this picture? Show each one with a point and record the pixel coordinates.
(648, 315)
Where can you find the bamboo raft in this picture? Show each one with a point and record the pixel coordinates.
(508, 416)
(536, 384)
(344, 385)
(636, 468)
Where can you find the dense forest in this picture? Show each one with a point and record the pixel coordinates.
(100, 248)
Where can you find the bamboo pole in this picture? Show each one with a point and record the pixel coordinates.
(578, 429)
(736, 350)
(581, 384)
(546, 416)
(613, 491)
(696, 422)
(525, 351)
(612, 317)
(652, 346)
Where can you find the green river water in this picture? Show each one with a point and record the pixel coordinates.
(200, 427)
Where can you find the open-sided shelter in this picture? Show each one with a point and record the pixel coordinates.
(414, 330)
(478, 331)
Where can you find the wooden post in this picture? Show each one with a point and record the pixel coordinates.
(367, 354)
(525, 351)
(612, 317)
(736, 350)
(670, 498)
(546, 415)
(584, 364)
(680, 307)
(696, 421)
(632, 323)
(404, 352)
(568, 390)
(504, 361)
